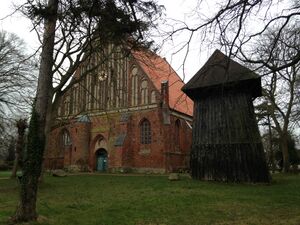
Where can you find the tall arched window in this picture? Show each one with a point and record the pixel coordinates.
(66, 138)
(145, 132)
(134, 86)
(75, 99)
(144, 92)
(67, 106)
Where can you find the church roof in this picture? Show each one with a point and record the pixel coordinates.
(159, 70)
(219, 70)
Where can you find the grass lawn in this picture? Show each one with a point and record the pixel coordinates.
(153, 200)
(5, 174)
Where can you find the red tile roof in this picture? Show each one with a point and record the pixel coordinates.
(158, 70)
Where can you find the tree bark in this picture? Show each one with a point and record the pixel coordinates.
(26, 210)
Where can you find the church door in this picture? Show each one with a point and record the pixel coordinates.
(101, 160)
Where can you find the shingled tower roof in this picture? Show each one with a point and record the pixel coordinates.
(221, 71)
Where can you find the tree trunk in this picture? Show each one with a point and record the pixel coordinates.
(285, 153)
(47, 132)
(26, 210)
(21, 125)
(272, 155)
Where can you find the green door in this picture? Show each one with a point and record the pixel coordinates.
(102, 161)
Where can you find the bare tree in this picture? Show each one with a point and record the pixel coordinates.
(281, 102)
(236, 26)
(17, 85)
(17, 80)
(71, 31)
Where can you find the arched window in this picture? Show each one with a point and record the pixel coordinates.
(144, 92)
(75, 99)
(145, 132)
(177, 133)
(134, 86)
(153, 97)
(66, 138)
(67, 106)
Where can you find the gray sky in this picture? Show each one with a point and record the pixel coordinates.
(175, 9)
(181, 10)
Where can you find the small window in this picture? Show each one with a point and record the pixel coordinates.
(66, 139)
(145, 132)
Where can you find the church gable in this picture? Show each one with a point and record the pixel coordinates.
(112, 80)
(101, 84)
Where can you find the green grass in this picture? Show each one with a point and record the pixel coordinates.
(153, 200)
(6, 174)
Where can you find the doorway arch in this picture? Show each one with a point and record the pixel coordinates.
(101, 160)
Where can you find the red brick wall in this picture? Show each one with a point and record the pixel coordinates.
(74, 154)
(162, 153)
(178, 145)
(147, 155)
(80, 143)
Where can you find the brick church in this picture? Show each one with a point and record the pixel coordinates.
(128, 115)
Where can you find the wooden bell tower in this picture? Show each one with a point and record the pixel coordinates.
(226, 144)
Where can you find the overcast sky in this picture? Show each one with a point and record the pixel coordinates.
(181, 10)
(175, 9)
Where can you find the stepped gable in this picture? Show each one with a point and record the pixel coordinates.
(159, 70)
(220, 70)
